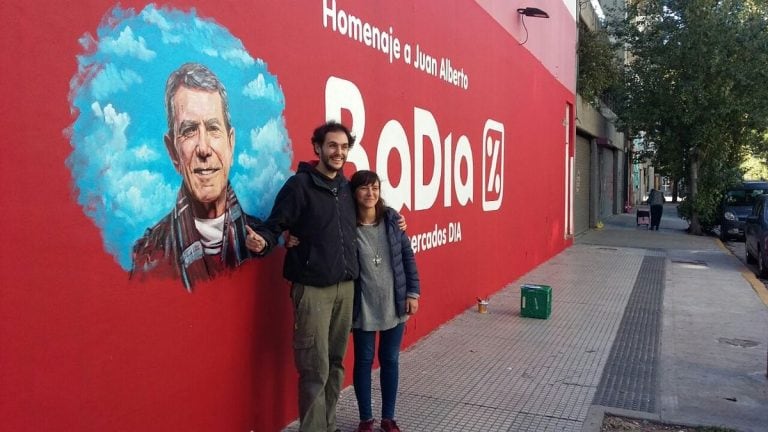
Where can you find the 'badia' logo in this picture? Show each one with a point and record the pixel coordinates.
(418, 188)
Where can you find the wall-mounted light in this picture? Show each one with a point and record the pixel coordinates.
(533, 13)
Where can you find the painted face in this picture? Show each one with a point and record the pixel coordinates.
(201, 148)
(367, 196)
(333, 153)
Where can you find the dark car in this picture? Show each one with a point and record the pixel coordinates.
(736, 206)
(756, 235)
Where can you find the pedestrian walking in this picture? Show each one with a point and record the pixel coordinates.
(656, 201)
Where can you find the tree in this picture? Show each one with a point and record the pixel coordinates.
(695, 86)
(598, 65)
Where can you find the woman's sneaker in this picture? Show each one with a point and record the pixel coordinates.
(388, 425)
(365, 426)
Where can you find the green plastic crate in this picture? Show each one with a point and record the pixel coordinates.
(535, 301)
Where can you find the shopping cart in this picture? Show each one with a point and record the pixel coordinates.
(643, 216)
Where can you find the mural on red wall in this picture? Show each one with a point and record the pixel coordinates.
(179, 141)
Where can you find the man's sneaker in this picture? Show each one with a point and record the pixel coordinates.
(365, 426)
(388, 425)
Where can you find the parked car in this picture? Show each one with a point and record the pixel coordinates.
(736, 206)
(756, 235)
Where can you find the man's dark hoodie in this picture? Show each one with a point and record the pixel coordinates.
(321, 212)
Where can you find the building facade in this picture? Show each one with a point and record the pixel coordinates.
(466, 109)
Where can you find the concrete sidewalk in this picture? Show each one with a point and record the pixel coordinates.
(654, 324)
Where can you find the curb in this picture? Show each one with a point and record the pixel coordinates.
(596, 414)
(758, 286)
(721, 245)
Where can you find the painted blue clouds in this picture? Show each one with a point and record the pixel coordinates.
(123, 176)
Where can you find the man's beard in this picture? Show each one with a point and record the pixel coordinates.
(326, 161)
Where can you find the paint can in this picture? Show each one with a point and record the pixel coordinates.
(482, 306)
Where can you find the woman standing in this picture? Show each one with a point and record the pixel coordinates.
(386, 293)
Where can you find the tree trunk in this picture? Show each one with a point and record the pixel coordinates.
(675, 190)
(695, 226)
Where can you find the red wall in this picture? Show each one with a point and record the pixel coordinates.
(82, 348)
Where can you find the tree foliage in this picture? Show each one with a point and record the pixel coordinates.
(598, 65)
(696, 87)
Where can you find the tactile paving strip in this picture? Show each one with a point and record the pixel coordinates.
(629, 379)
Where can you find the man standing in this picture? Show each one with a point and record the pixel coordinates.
(206, 230)
(316, 205)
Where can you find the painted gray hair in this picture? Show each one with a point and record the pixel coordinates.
(197, 77)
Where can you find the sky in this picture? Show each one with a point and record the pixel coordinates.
(121, 171)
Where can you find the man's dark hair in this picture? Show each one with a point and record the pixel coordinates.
(197, 77)
(367, 178)
(318, 136)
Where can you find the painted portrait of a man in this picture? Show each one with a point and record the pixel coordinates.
(162, 97)
(206, 229)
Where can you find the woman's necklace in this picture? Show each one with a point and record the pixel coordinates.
(375, 238)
